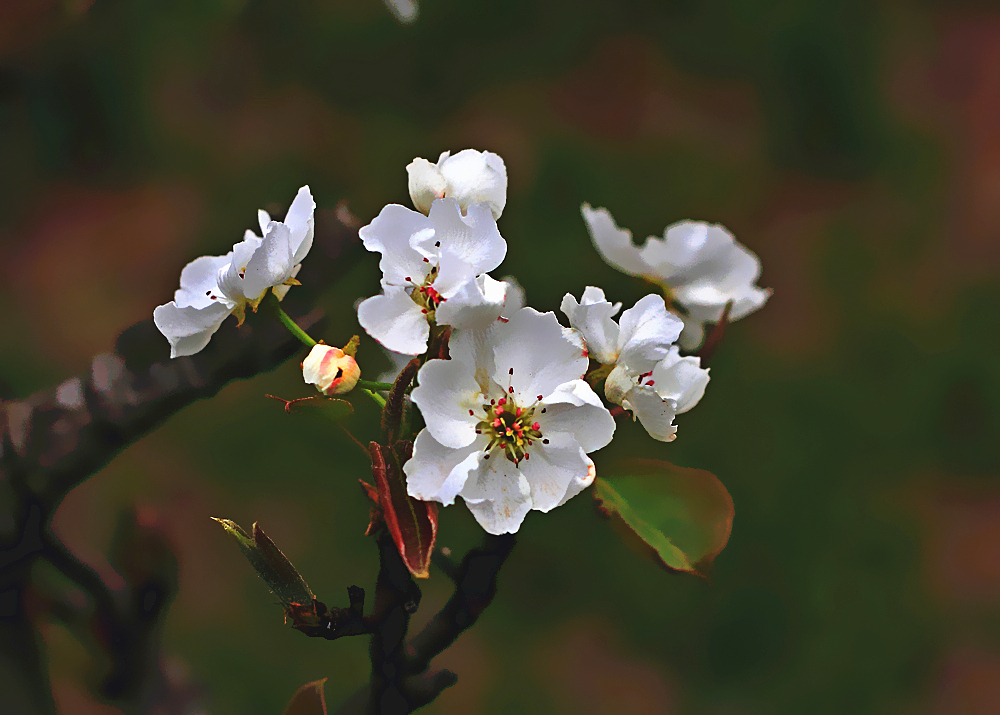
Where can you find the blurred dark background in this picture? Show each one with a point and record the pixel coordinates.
(853, 145)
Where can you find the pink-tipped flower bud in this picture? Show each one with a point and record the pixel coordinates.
(331, 370)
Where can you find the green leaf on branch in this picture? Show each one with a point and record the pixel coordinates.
(411, 523)
(329, 407)
(308, 700)
(684, 515)
(272, 566)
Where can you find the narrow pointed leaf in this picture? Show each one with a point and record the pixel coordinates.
(308, 700)
(411, 523)
(271, 565)
(684, 515)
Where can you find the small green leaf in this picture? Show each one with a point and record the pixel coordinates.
(271, 565)
(308, 700)
(684, 515)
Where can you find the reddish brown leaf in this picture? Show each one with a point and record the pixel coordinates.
(411, 523)
(308, 700)
(375, 514)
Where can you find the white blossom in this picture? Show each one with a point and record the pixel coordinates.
(469, 177)
(513, 301)
(215, 287)
(646, 374)
(433, 269)
(509, 422)
(700, 265)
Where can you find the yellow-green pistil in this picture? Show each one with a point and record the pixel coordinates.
(510, 427)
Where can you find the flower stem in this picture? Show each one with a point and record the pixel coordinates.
(272, 301)
(369, 385)
(374, 395)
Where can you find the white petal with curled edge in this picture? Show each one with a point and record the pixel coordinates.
(438, 473)
(476, 177)
(613, 243)
(395, 321)
(618, 384)
(425, 182)
(647, 331)
(200, 281)
(230, 278)
(578, 484)
(575, 409)
(681, 379)
(448, 398)
(497, 494)
(301, 224)
(188, 329)
(470, 244)
(533, 356)
(263, 218)
(593, 320)
(476, 304)
(655, 413)
(271, 264)
(551, 468)
(393, 233)
(514, 296)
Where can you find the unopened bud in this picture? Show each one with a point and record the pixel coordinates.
(331, 370)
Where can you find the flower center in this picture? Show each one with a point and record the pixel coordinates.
(509, 427)
(425, 295)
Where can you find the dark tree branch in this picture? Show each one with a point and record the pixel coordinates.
(476, 585)
(53, 440)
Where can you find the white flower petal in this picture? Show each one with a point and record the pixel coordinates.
(470, 244)
(476, 349)
(613, 243)
(551, 468)
(271, 264)
(533, 356)
(476, 304)
(578, 484)
(188, 329)
(301, 224)
(425, 183)
(393, 233)
(199, 282)
(655, 413)
(448, 398)
(618, 384)
(395, 321)
(230, 277)
(497, 494)
(573, 408)
(681, 379)
(438, 473)
(513, 297)
(474, 177)
(646, 332)
(263, 218)
(593, 319)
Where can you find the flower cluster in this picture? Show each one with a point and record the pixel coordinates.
(513, 413)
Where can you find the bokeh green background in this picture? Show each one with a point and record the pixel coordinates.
(853, 145)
